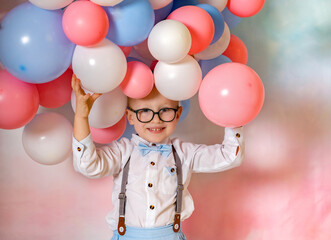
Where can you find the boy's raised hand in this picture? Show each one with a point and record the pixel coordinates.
(84, 102)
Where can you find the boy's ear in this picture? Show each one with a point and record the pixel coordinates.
(179, 112)
(129, 116)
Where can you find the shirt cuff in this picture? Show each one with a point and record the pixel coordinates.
(235, 134)
(78, 147)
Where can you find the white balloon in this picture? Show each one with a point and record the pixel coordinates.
(101, 67)
(157, 4)
(217, 48)
(47, 138)
(169, 41)
(51, 4)
(219, 4)
(107, 110)
(106, 2)
(178, 81)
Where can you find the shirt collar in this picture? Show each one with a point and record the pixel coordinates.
(136, 139)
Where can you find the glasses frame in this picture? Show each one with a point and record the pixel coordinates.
(154, 113)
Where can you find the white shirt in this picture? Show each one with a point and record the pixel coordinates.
(151, 188)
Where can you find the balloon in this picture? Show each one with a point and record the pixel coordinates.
(143, 51)
(106, 2)
(56, 93)
(47, 139)
(107, 135)
(33, 46)
(126, 50)
(230, 19)
(138, 81)
(217, 20)
(219, 4)
(157, 4)
(83, 17)
(199, 23)
(181, 3)
(19, 101)
(244, 8)
(130, 22)
(162, 13)
(178, 81)
(107, 110)
(186, 108)
(169, 41)
(231, 95)
(51, 4)
(217, 48)
(101, 67)
(236, 50)
(207, 65)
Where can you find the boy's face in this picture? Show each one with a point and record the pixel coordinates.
(155, 131)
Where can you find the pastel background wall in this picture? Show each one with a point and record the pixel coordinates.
(282, 190)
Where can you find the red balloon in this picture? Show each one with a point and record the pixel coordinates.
(199, 23)
(107, 135)
(126, 50)
(231, 95)
(85, 23)
(19, 101)
(244, 8)
(56, 93)
(236, 50)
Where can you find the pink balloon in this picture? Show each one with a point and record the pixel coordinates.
(231, 95)
(138, 81)
(236, 50)
(56, 93)
(107, 135)
(19, 101)
(199, 23)
(244, 8)
(85, 23)
(126, 50)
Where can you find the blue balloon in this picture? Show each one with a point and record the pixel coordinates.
(129, 130)
(207, 65)
(33, 46)
(162, 13)
(130, 22)
(181, 3)
(217, 19)
(186, 104)
(230, 19)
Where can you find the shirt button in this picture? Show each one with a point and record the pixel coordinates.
(172, 170)
(79, 149)
(151, 207)
(153, 144)
(152, 163)
(150, 185)
(238, 135)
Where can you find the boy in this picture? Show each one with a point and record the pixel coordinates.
(151, 171)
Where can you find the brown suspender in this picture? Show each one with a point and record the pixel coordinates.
(179, 197)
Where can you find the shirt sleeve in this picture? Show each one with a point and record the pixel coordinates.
(95, 162)
(218, 157)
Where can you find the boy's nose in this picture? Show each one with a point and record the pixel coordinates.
(156, 119)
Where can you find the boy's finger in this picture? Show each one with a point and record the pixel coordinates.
(95, 96)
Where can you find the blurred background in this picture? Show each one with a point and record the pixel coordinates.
(281, 191)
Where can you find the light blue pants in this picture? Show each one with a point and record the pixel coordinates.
(158, 233)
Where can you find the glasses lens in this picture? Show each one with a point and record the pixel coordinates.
(167, 114)
(145, 115)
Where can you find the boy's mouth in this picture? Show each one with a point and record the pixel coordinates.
(156, 129)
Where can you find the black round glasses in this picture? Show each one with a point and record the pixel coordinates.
(146, 115)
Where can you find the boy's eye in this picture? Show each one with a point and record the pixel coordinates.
(164, 110)
(144, 110)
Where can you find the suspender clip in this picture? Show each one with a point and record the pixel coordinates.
(121, 196)
(121, 226)
(180, 187)
(176, 225)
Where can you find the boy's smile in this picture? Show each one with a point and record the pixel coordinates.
(155, 131)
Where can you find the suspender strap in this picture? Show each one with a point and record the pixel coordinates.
(179, 198)
(180, 188)
(122, 197)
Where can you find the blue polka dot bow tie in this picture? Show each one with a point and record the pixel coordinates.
(164, 149)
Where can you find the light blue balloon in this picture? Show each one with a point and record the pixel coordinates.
(162, 13)
(207, 65)
(130, 22)
(217, 19)
(186, 104)
(230, 19)
(33, 46)
(181, 3)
